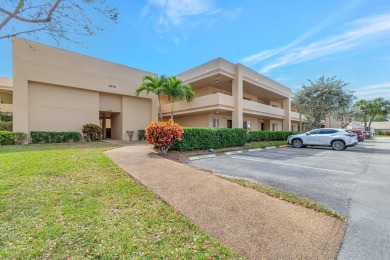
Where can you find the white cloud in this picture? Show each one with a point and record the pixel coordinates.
(366, 31)
(374, 91)
(173, 12)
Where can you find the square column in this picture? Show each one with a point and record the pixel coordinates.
(238, 97)
(287, 112)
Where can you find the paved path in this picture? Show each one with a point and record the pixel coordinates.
(251, 223)
(368, 233)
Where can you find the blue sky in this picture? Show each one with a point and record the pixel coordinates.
(288, 41)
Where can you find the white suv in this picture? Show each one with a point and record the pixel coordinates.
(338, 139)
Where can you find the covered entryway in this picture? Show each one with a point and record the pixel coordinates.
(109, 124)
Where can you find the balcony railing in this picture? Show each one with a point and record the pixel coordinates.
(6, 108)
(202, 103)
(252, 107)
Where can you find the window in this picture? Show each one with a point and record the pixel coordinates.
(315, 132)
(247, 125)
(215, 122)
(292, 128)
(328, 131)
(274, 127)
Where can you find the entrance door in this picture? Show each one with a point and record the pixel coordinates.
(229, 123)
(105, 124)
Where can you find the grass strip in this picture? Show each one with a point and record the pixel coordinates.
(65, 201)
(286, 196)
(264, 144)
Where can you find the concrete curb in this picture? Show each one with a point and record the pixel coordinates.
(201, 157)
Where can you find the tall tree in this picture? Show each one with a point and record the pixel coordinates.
(176, 90)
(155, 85)
(346, 116)
(379, 107)
(60, 19)
(372, 109)
(365, 107)
(322, 99)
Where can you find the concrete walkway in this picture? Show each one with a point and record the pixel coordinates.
(251, 223)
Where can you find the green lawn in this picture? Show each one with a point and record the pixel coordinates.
(263, 144)
(70, 201)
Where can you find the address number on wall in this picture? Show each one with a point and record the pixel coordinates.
(112, 86)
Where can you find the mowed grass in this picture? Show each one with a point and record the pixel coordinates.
(70, 201)
(263, 144)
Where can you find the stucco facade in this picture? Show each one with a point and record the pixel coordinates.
(232, 95)
(58, 90)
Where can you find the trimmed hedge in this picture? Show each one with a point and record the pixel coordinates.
(54, 137)
(5, 117)
(254, 136)
(11, 138)
(141, 134)
(5, 126)
(210, 138)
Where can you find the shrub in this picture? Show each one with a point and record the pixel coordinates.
(11, 138)
(92, 132)
(210, 138)
(163, 134)
(387, 133)
(54, 137)
(269, 135)
(5, 117)
(5, 126)
(141, 134)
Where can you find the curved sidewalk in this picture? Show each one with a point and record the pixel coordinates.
(253, 224)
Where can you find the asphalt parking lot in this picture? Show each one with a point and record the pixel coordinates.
(354, 182)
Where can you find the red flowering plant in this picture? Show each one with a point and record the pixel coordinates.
(163, 134)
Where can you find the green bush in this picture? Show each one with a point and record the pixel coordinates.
(92, 132)
(11, 138)
(5, 126)
(255, 136)
(54, 137)
(210, 138)
(5, 117)
(141, 134)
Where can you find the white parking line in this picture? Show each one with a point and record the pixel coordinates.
(287, 164)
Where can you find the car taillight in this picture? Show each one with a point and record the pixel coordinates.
(350, 135)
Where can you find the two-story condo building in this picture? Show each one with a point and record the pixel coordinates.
(232, 95)
(57, 90)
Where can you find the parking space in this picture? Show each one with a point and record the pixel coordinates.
(353, 182)
(321, 174)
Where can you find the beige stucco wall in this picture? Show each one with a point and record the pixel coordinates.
(193, 121)
(66, 73)
(57, 108)
(6, 98)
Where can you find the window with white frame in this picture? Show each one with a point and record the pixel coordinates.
(215, 122)
(274, 127)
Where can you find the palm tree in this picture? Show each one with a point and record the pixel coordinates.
(176, 90)
(155, 85)
(379, 106)
(365, 107)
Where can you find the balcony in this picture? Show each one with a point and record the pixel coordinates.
(6, 108)
(256, 108)
(203, 103)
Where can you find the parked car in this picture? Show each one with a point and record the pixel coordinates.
(338, 139)
(360, 135)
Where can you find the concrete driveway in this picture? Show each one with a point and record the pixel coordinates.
(354, 182)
